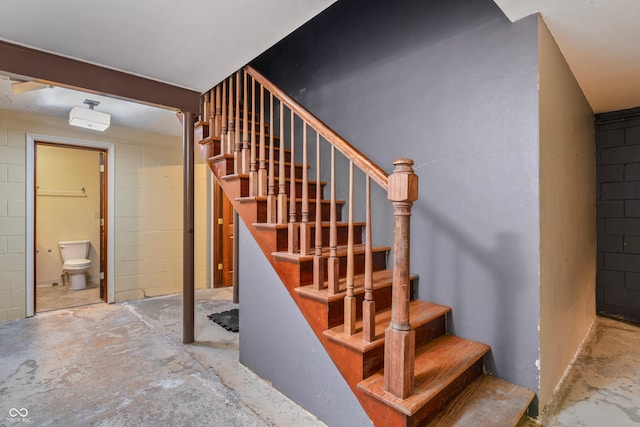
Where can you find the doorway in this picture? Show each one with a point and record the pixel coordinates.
(69, 219)
(63, 192)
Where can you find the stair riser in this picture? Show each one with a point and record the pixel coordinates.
(325, 210)
(343, 235)
(311, 188)
(306, 267)
(282, 236)
(373, 361)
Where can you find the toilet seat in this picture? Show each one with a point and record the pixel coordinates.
(76, 264)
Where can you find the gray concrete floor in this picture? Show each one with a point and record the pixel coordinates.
(125, 365)
(602, 388)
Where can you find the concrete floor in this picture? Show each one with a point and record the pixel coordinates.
(56, 297)
(125, 365)
(602, 388)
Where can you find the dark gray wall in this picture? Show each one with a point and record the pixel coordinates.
(277, 343)
(451, 84)
(618, 177)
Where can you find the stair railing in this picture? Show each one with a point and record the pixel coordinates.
(233, 123)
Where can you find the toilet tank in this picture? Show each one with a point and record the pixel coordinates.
(74, 249)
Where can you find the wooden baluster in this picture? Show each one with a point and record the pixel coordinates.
(293, 225)
(350, 299)
(205, 107)
(231, 131)
(272, 200)
(253, 174)
(399, 348)
(245, 128)
(305, 226)
(237, 152)
(368, 305)
(318, 262)
(212, 112)
(223, 120)
(217, 113)
(282, 181)
(333, 266)
(262, 171)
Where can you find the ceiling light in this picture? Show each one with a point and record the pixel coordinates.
(88, 117)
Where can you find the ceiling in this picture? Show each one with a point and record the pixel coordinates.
(600, 40)
(194, 44)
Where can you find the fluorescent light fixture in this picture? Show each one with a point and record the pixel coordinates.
(88, 117)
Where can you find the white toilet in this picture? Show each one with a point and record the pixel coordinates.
(75, 254)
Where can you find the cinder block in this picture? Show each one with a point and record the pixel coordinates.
(610, 243)
(631, 172)
(620, 155)
(627, 226)
(632, 208)
(3, 208)
(622, 262)
(611, 209)
(3, 172)
(633, 281)
(610, 138)
(632, 244)
(632, 135)
(610, 173)
(620, 190)
(16, 209)
(610, 279)
(16, 173)
(622, 298)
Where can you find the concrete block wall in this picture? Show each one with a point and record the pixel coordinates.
(148, 209)
(12, 223)
(618, 186)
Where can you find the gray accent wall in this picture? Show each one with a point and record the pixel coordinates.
(451, 84)
(277, 343)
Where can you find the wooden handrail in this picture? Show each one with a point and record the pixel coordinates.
(359, 159)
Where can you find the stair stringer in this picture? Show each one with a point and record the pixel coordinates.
(315, 313)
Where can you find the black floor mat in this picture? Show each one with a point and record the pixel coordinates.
(227, 319)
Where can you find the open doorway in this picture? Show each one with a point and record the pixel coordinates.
(70, 213)
(101, 249)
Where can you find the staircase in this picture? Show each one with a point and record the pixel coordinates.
(393, 351)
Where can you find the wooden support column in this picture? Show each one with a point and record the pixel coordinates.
(188, 300)
(399, 351)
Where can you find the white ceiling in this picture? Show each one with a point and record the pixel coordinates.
(196, 43)
(600, 40)
(190, 43)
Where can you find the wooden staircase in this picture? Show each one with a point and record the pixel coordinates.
(393, 351)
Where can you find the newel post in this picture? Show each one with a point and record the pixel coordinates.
(399, 353)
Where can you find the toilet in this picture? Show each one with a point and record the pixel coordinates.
(75, 254)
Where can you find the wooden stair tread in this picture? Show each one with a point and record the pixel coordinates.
(236, 176)
(312, 224)
(422, 312)
(250, 199)
(380, 278)
(437, 364)
(208, 140)
(341, 251)
(486, 402)
(230, 156)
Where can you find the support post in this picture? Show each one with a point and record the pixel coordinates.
(188, 297)
(400, 343)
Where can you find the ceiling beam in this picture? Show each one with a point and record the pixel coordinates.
(67, 72)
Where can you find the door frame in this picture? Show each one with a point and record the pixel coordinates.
(30, 211)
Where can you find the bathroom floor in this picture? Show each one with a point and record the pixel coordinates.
(56, 297)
